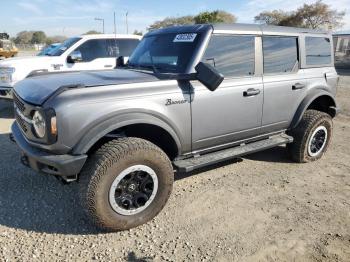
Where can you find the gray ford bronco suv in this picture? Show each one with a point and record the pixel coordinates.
(189, 97)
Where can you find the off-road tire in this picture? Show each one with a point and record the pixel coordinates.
(311, 120)
(105, 165)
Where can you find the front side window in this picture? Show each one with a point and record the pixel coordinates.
(93, 49)
(318, 51)
(165, 53)
(231, 55)
(280, 54)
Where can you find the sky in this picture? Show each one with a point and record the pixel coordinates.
(69, 17)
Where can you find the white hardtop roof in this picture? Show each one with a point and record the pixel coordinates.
(120, 36)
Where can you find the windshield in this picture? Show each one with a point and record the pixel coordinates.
(165, 53)
(59, 50)
(47, 50)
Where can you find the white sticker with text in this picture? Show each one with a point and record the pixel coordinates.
(185, 37)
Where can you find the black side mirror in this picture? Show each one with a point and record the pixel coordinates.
(208, 76)
(122, 61)
(75, 57)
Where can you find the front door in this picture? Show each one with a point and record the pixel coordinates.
(232, 112)
(99, 54)
(95, 55)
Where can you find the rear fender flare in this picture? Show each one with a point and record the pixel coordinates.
(309, 98)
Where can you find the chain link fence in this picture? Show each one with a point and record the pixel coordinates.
(30, 47)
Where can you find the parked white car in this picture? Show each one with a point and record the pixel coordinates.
(86, 52)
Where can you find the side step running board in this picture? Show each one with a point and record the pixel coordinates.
(190, 164)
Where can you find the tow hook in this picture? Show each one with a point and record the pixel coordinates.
(67, 179)
(12, 138)
(24, 160)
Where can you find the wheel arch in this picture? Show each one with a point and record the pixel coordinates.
(139, 125)
(320, 100)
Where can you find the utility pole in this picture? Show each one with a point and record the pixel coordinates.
(103, 23)
(126, 20)
(115, 27)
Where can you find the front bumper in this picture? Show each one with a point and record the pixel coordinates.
(5, 92)
(46, 162)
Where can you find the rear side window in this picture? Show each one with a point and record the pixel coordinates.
(231, 55)
(318, 51)
(121, 47)
(280, 54)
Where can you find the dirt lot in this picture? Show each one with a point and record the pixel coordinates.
(264, 208)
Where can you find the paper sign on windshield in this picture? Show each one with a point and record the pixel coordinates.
(185, 37)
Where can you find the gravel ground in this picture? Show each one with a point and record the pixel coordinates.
(264, 208)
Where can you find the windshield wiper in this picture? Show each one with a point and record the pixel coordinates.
(155, 70)
(140, 67)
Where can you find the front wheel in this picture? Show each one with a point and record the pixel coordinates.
(311, 137)
(126, 183)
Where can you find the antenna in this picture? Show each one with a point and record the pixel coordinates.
(126, 20)
(115, 41)
(115, 27)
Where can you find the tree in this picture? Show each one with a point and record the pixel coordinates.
(315, 16)
(138, 32)
(92, 32)
(39, 37)
(217, 16)
(172, 21)
(319, 14)
(55, 39)
(274, 17)
(24, 37)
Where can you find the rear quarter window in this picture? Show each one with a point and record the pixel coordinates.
(318, 51)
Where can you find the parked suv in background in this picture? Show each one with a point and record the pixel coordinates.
(86, 52)
(190, 96)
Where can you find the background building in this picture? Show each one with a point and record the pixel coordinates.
(342, 50)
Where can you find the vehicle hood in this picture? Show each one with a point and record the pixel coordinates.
(36, 90)
(26, 61)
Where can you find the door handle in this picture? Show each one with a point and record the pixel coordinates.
(107, 66)
(251, 92)
(297, 86)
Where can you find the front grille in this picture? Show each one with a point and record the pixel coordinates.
(19, 104)
(21, 122)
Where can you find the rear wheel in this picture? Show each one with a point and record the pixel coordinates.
(311, 137)
(126, 183)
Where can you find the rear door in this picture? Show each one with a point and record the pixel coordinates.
(285, 84)
(233, 111)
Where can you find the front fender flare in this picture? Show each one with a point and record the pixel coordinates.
(111, 124)
(309, 98)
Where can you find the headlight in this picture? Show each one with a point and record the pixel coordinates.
(39, 124)
(6, 74)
